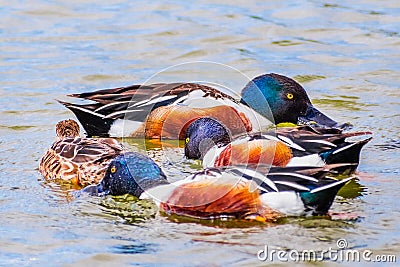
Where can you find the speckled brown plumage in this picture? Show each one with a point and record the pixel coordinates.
(67, 128)
(82, 161)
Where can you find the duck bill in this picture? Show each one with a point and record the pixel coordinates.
(314, 117)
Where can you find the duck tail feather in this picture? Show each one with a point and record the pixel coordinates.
(341, 137)
(95, 124)
(320, 199)
(106, 93)
(348, 152)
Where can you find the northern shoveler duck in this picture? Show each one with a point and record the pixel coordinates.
(83, 161)
(168, 109)
(235, 192)
(209, 140)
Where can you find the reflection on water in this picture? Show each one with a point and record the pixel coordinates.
(131, 209)
(352, 190)
(134, 247)
(345, 55)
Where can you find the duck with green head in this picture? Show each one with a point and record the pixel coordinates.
(236, 192)
(209, 140)
(287, 101)
(165, 110)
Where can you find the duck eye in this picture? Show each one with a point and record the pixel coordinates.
(187, 140)
(289, 96)
(113, 169)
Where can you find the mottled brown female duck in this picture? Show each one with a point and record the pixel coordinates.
(82, 161)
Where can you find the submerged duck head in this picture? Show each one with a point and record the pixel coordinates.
(282, 99)
(202, 134)
(131, 173)
(67, 128)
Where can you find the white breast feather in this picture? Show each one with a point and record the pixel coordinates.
(313, 160)
(288, 203)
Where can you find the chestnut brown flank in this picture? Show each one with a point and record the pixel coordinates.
(217, 197)
(170, 122)
(256, 151)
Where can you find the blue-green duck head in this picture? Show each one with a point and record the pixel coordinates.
(131, 173)
(282, 99)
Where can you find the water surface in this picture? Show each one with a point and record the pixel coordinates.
(345, 54)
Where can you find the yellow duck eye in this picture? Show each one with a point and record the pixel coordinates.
(113, 169)
(289, 96)
(187, 140)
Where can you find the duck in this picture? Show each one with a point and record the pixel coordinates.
(209, 140)
(165, 110)
(101, 166)
(236, 192)
(79, 161)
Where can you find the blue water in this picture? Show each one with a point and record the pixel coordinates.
(346, 55)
